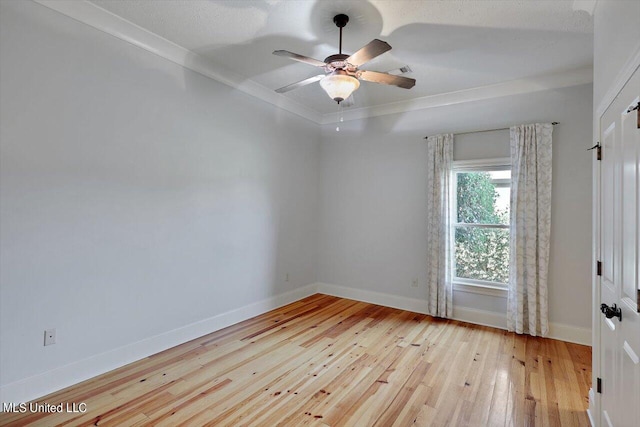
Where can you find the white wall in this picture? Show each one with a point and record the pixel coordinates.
(616, 39)
(373, 202)
(136, 196)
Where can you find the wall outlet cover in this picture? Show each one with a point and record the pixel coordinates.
(49, 336)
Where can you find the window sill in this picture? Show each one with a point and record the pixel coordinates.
(475, 288)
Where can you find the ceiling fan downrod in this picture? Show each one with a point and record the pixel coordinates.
(341, 21)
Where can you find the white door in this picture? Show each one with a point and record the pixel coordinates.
(620, 256)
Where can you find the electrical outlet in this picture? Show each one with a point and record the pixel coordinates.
(414, 283)
(50, 337)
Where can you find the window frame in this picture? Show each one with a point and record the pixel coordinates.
(484, 287)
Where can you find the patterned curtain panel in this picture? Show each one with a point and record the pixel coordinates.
(440, 288)
(530, 228)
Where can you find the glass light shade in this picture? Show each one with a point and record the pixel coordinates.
(339, 86)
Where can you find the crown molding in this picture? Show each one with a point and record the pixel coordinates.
(514, 87)
(105, 21)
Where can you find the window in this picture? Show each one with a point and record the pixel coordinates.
(480, 223)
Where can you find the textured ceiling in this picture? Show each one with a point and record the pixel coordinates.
(450, 45)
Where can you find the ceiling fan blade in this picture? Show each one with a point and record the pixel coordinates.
(300, 83)
(299, 58)
(387, 79)
(367, 53)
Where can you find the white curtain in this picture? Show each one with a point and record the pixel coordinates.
(440, 288)
(530, 228)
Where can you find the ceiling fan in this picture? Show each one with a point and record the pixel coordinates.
(341, 73)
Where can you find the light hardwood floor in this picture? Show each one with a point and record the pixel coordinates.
(328, 361)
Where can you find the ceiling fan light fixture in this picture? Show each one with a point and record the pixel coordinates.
(339, 85)
(342, 71)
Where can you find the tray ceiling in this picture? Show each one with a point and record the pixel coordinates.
(451, 46)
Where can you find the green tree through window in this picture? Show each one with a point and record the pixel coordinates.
(481, 253)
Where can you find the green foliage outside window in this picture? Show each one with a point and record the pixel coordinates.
(481, 253)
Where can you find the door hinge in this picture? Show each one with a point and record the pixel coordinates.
(599, 268)
(598, 149)
(599, 385)
(636, 108)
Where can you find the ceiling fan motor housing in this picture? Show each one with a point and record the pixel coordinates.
(337, 57)
(338, 62)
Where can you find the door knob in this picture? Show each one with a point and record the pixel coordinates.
(613, 311)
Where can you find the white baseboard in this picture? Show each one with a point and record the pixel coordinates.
(48, 382)
(393, 301)
(464, 314)
(574, 334)
(480, 317)
(557, 331)
(591, 408)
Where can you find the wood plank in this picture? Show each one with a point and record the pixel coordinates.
(328, 361)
